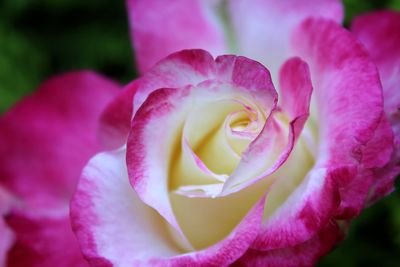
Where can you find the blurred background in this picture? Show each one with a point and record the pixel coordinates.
(40, 38)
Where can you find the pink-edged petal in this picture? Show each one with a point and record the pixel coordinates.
(384, 182)
(295, 88)
(115, 228)
(295, 85)
(46, 139)
(155, 129)
(346, 84)
(115, 120)
(221, 27)
(263, 28)
(191, 67)
(187, 67)
(373, 179)
(249, 75)
(305, 254)
(303, 214)
(159, 28)
(44, 242)
(382, 146)
(379, 32)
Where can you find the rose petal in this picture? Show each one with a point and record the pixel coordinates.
(188, 67)
(296, 88)
(153, 26)
(346, 84)
(46, 139)
(341, 72)
(105, 210)
(304, 254)
(379, 32)
(221, 27)
(263, 28)
(44, 242)
(307, 209)
(378, 151)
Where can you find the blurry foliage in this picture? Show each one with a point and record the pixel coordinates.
(354, 8)
(40, 38)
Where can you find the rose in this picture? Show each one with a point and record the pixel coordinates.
(222, 173)
(53, 245)
(194, 89)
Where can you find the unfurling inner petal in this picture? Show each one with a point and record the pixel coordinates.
(213, 139)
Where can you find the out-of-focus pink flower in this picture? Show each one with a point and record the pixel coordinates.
(45, 140)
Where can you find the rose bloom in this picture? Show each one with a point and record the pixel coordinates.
(261, 159)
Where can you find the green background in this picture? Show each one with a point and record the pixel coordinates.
(40, 38)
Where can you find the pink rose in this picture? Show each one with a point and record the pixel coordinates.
(45, 141)
(210, 166)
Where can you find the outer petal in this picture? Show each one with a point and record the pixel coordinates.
(302, 255)
(221, 27)
(263, 28)
(303, 214)
(44, 242)
(116, 228)
(46, 139)
(159, 28)
(346, 84)
(378, 31)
